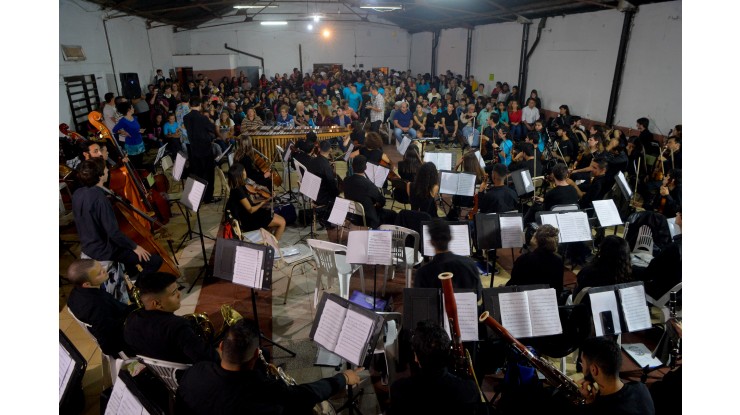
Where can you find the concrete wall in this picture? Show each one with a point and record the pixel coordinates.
(497, 48)
(421, 53)
(81, 23)
(452, 50)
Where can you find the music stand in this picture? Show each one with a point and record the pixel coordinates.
(192, 197)
(310, 186)
(287, 156)
(370, 247)
(248, 265)
(71, 367)
(499, 230)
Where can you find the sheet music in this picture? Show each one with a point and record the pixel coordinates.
(160, 153)
(604, 301)
(349, 152)
(527, 181)
(543, 311)
(459, 244)
(377, 174)
(465, 184)
(288, 152)
(480, 159)
(248, 267)
(550, 219)
(231, 159)
(624, 186)
(448, 183)
(573, 227)
(379, 247)
(357, 247)
(607, 213)
(166, 163)
(310, 185)
(192, 194)
(66, 368)
(515, 314)
(119, 389)
(512, 231)
(330, 325)
(339, 211)
(634, 308)
(179, 166)
(130, 405)
(467, 316)
(403, 145)
(443, 161)
(225, 152)
(356, 331)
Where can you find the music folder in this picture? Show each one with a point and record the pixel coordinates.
(127, 398)
(244, 263)
(520, 308)
(345, 328)
(619, 308)
(499, 230)
(523, 183)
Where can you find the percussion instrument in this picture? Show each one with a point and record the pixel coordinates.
(265, 139)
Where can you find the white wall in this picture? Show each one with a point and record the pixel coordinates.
(374, 45)
(651, 84)
(421, 53)
(451, 51)
(496, 49)
(81, 23)
(205, 62)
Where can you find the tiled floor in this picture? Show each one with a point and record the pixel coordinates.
(291, 323)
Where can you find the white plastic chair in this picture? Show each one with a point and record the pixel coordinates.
(355, 208)
(111, 364)
(402, 254)
(564, 208)
(165, 370)
(644, 242)
(225, 190)
(331, 262)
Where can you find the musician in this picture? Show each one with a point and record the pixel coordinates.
(360, 189)
(601, 358)
(505, 144)
(96, 307)
(238, 384)
(424, 189)
(525, 159)
(568, 148)
(611, 265)
(664, 271)
(246, 209)
(321, 167)
(596, 189)
(672, 158)
(646, 138)
(373, 150)
(247, 156)
(562, 193)
(201, 132)
(465, 271)
(470, 164)
(100, 237)
(543, 265)
(669, 198)
(156, 332)
(500, 198)
(433, 390)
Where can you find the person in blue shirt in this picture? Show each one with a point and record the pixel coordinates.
(402, 122)
(129, 127)
(354, 98)
(171, 131)
(284, 119)
(423, 87)
(506, 145)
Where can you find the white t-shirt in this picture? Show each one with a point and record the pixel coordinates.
(530, 115)
(109, 116)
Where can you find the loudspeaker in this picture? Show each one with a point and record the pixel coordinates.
(130, 85)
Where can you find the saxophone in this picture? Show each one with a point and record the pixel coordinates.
(558, 379)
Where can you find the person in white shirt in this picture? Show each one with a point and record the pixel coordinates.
(109, 111)
(530, 114)
(377, 108)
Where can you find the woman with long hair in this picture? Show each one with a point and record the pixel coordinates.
(518, 130)
(247, 157)
(503, 115)
(407, 170)
(611, 265)
(424, 190)
(323, 119)
(225, 126)
(246, 210)
(251, 121)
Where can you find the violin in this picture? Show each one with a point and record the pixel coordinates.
(483, 187)
(258, 191)
(262, 163)
(657, 174)
(392, 175)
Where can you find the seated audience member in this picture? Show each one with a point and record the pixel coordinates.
(601, 358)
(155, 331)
(465, 272)
(93, 305)
(403, 123)
(433, 390)
(499, 198)
(359, 188)
(611, 265)
(238, 385)
(543, 265)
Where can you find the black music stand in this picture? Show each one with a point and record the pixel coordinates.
(358, 253)
(491, 236)
(260, 262)
(72, 367)
(310, 186)
(192, 197)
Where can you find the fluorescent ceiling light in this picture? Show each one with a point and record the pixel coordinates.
(254, 6)
(274, 23)
(379, 8)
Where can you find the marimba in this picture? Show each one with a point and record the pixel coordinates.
(266, 138)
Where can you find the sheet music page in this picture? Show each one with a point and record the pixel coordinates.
(160, 153)
(641, 355)
(330, 325)
(448, 183)
(574, 227)
(379, 247)
(528, 186)
(66, 368)
(543, 310)
(480, 159)
(248, 267)
(465, 184)
(512, 231)
(179, 166)
(634, 307)
(515, 314)
(166, 163)
(288, 152)
(223, 153)
(624, 185)
(310, 185)
(339, 211)
(604, 301)
(550, 219)
(192, 194)
(231, 159)
(467, 316)
(380, 173)
(357, 249)
(356, 332)
(130, 405)
(119, 389)
(426, 241)
(460, 243)
(607, 212)
(350, 149)
(403, 145)
(444, 160)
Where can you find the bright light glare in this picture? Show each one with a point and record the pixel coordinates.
(326, 33)
(274, 23)
(316, 19)
(310, 26)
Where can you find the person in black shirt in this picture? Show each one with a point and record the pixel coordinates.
(424, 189)
(239, 385)
(611, 265)
(596, 189)
(433, 126)
(156, 332)
(328, 190)
(360, 189)
(526, 159)
(669, 197)
(568, 149)
(96, 307)
(465, 272)
(433, 389)
(248, 211)
(646, 138)
(562, 193)
(100, 237)
(543, 265)
(500, 198)
(672, 157)
(601, 358)
(201, 133)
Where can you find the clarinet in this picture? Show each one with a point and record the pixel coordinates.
(562, 382)
(675, 351)
(463, 365)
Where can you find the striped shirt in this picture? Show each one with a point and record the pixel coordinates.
(378, 102)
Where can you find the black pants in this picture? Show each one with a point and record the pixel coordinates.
(375, 125)
(204, 168)
(130, 260)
